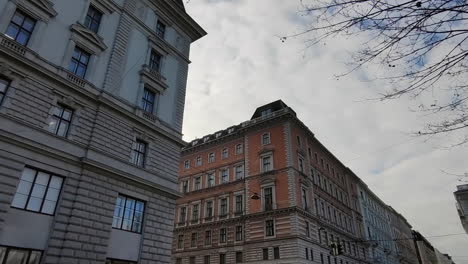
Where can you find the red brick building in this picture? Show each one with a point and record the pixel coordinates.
(265, 191)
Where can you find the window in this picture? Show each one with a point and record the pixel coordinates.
(225, 153)
(3, 88)
(93, 19)
(209, 209)
(79, 62)
(311, 254)
(223, 207)
(301, 165)
(37, 191)
(276, 253)
(19, 256)
(138, 153)
(239, 235)
(269, 228)
(195, 212)
(210, 179)
(328, 258)
(199, 161)
(180, 241)
(178, 261)
(239, 203)
(21, 27)
(208, 237)
(265, 254)
(211, 157)
(182, 214)
(266, 112)
(222, 235)
(304, 199)
(239, 257)
(266, 163)
(224, 176)
(298, 140)
(160, 29)
(266, 139)
(307, 253)
(198, 183)
(128, 214)
(207, 259)
(60, 120)
(185, 186)
(193, 241)
(155, 61)
(239, 172)
(307, 227)
(147, 102)
(222, 258)
(321, 258)
(187, 164)
(239, 149)
(268, 198)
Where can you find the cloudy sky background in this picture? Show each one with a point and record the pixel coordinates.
(241, 64)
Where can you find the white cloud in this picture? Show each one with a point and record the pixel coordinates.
(241, 64)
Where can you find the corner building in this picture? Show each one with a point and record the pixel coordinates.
(92, 96)
(265, 191)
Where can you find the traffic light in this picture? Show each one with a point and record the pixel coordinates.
(340, 249)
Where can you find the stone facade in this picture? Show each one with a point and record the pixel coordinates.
(93, 158)
(265, 191)
(461, 195)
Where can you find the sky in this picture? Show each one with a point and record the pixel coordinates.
(242, 64)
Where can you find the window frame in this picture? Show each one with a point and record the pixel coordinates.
(28, 250)
(148, 100)
(239, 235)
(7, 83)
(184, 214)
(20, 28)
(276, 253)
(239, 149)
(208, 238)
(160, 29)
(193, 239)
(210, 175)
(221, 175)
(270, 228)
(238, 205)
(225, 153)
(223, 235)
(239, 257)
(239, 172)
(211, 157)
(62, 108)
(211, 202)
(197, 185)
(140, 231)
(262, 163)
(139, 154)
(180, 242)
(79, 62)
(155, 61)
(195, 216)
(221, 215)
(33, 184)
(266, 138)
(265, 253)
(93, 19)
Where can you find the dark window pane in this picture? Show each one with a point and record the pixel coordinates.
(12, 31)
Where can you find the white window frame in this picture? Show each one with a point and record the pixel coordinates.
(268, 138)
(273, 191)
(195, 183)
(265, 230)
(208, 177)
(242, 172)
(182, 186)
(239, 149)
(211, 157)
(187, 164)
(191, 212)
(219, 241)
(179, 213)
(234, 205)
(225, 153)
(199, 161)
(272, 167)
(221, 175)
(227, 207)
(205, 210)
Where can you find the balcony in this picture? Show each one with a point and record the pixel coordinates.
(12, 45)
(153, 79)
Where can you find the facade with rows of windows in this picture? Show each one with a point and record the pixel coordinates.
(266, 191)
(92, 97)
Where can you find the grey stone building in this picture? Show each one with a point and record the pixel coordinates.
(461, 195)
(92, 98)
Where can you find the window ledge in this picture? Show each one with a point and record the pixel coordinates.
(87, 39)
(39, 9)
(153, 79)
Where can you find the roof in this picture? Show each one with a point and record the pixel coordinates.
(271, 107)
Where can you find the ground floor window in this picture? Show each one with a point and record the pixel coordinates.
(9, 255)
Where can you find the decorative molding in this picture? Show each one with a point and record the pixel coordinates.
(153, 79)
(87, 39)
(40, 9)
(105, 6)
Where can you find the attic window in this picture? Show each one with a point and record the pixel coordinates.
(231, 130)
(206, 139)
(266, 112)
(194, 142)
(218, 134)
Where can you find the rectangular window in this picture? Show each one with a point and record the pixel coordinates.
(180, 241)
(208, 237)
(266, 139)
(301, 165)
(304, 199)
(307, 253)
(197, 183)
(19, 256)
(209, 209)
(93, 19)
(79, 62)
(37, 191)
(223, 207)
(321, 258)
(239, 149)
(21, 27)
(195, 213)
(299, 141)
(207, 259)
(266, 163)
(182, 214)
(192, 260)
(187, 164)
(139, 153)
(239, 204)
(199, 161)
(311, 254)
(224, 176)
(193, 241)
(239, 257)
(210, 179)
(3, 88)
(276, 253)
(128, 214)
(239, 172)
(185, 187)
(239, 235)
(225, 153)
(59, 123)
(222, 258)
(307, 229)
(211, 157)
(155, 61)
(268, 198)
(269, 228)
(222, 235)
(160, 29)
(148, 100)
(265, 254)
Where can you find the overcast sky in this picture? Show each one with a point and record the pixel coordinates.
(241, 64)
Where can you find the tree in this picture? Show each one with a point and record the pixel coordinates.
(422, 43)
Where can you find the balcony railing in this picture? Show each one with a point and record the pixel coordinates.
(13, 45)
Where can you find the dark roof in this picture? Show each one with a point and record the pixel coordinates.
(273, 106)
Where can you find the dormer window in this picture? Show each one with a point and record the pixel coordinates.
(266, 112)
(218, 134)
(160, 29)
(93, 19)
(230, 130)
